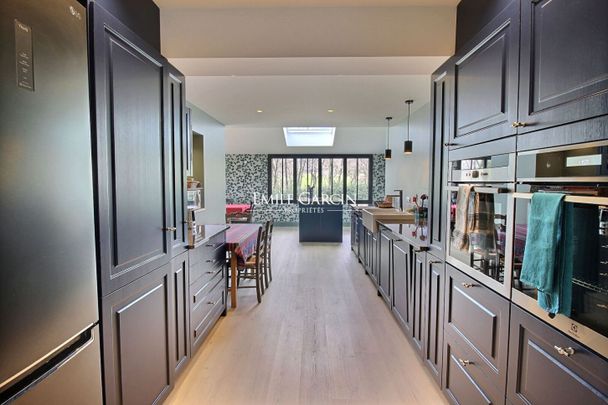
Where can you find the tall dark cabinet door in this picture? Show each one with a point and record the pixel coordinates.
(385, 265)
(181, 284)
(130, 146)
(564, 62)
(441, 119)
(486, 82)
(138, 343)
(401, 268)
(416, 298)
(176, 118)
(547, 367)
(433, 315)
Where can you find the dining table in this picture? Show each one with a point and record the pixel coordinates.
(241, 241)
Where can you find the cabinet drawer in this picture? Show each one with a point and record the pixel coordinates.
(479, 317)
(205, 270)
(538, 374)
(207, 312)
(464, 379)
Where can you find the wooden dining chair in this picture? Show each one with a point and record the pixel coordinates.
(254, 267)
(268, 257)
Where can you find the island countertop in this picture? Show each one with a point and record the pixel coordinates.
(415, 233)
(200, 234)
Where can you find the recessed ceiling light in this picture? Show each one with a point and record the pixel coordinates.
(309, 136)
(260, 111)
(331, 110)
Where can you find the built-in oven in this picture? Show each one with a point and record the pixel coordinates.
(480, 198)
(581, 174)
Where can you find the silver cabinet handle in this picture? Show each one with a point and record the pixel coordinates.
(602, 306)
(170, 229)
(211, 303)
(447, 144)
(567, 351)
(210, 272)
(468, 285)
(421, 249)
(435, 262)
(518, 124)
(604, 262)
(464, 363)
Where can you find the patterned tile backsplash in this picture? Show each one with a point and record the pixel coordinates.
(247, 174)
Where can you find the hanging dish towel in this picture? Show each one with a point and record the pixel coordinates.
(543, 257)
(460, 234)
(482, 230)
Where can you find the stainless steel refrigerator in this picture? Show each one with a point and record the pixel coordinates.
(49, 339)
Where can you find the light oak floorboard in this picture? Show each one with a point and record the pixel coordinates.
(320, 336)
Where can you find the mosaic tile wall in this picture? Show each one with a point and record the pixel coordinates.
(248, 174)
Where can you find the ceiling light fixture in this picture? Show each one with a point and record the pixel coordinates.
(331, 110)
(309, 136)
(260, 111)
(408, 146)
(388, 153)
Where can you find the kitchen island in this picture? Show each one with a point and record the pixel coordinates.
(320, 222)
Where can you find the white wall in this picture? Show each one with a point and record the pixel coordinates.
(215, 164)
(410, 172)
(272, 140)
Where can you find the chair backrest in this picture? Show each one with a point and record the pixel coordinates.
(269, 227)
(260, 247)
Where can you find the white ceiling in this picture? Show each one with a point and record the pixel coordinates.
(295, 59)
(301, 3)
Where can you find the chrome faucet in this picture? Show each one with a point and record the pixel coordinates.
(400, 196)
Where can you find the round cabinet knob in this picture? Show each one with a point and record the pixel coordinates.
(475, 174)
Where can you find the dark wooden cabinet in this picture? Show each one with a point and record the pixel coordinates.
(486, 82)
(442, 92)
(371, 255)
(181, 284)
(402, 263)
(416, 281)
(131, 149)
(476, 321)
(360, 239)
(547, 367)
(563, 65)
(385, 264)
(207, 292)
(138, 339)
(177, 128)
(433, 315)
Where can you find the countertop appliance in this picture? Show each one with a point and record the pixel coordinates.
(581, 173)
(49, 339)
(487, 253)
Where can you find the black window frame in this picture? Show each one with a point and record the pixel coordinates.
(319, 188)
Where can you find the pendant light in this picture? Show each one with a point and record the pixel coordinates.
(408, 146)
(388, 153)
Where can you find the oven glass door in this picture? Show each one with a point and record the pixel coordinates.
(483, 251)
(588, 240)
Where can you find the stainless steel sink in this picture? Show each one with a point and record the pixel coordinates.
(372, 215)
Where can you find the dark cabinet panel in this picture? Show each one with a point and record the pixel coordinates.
(463, 381)
(539, 374)
(130, 149)
(479, 318)
(385, 265)
(181, 284)
(402, 263)
(433, 315)
(564, 62)
(442, 91)
(416, 282)
(176, 118)
(138, 340)
(486, 82)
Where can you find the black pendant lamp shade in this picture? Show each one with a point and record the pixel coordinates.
(408, 145)
(388, 153)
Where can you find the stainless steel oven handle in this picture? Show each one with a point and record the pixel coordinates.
(485, 190)
(570, 198)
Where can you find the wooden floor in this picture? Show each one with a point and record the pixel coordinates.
(320, 336)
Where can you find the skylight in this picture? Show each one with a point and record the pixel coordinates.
(309, 136)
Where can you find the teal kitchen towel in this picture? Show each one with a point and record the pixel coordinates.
(543, 254)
